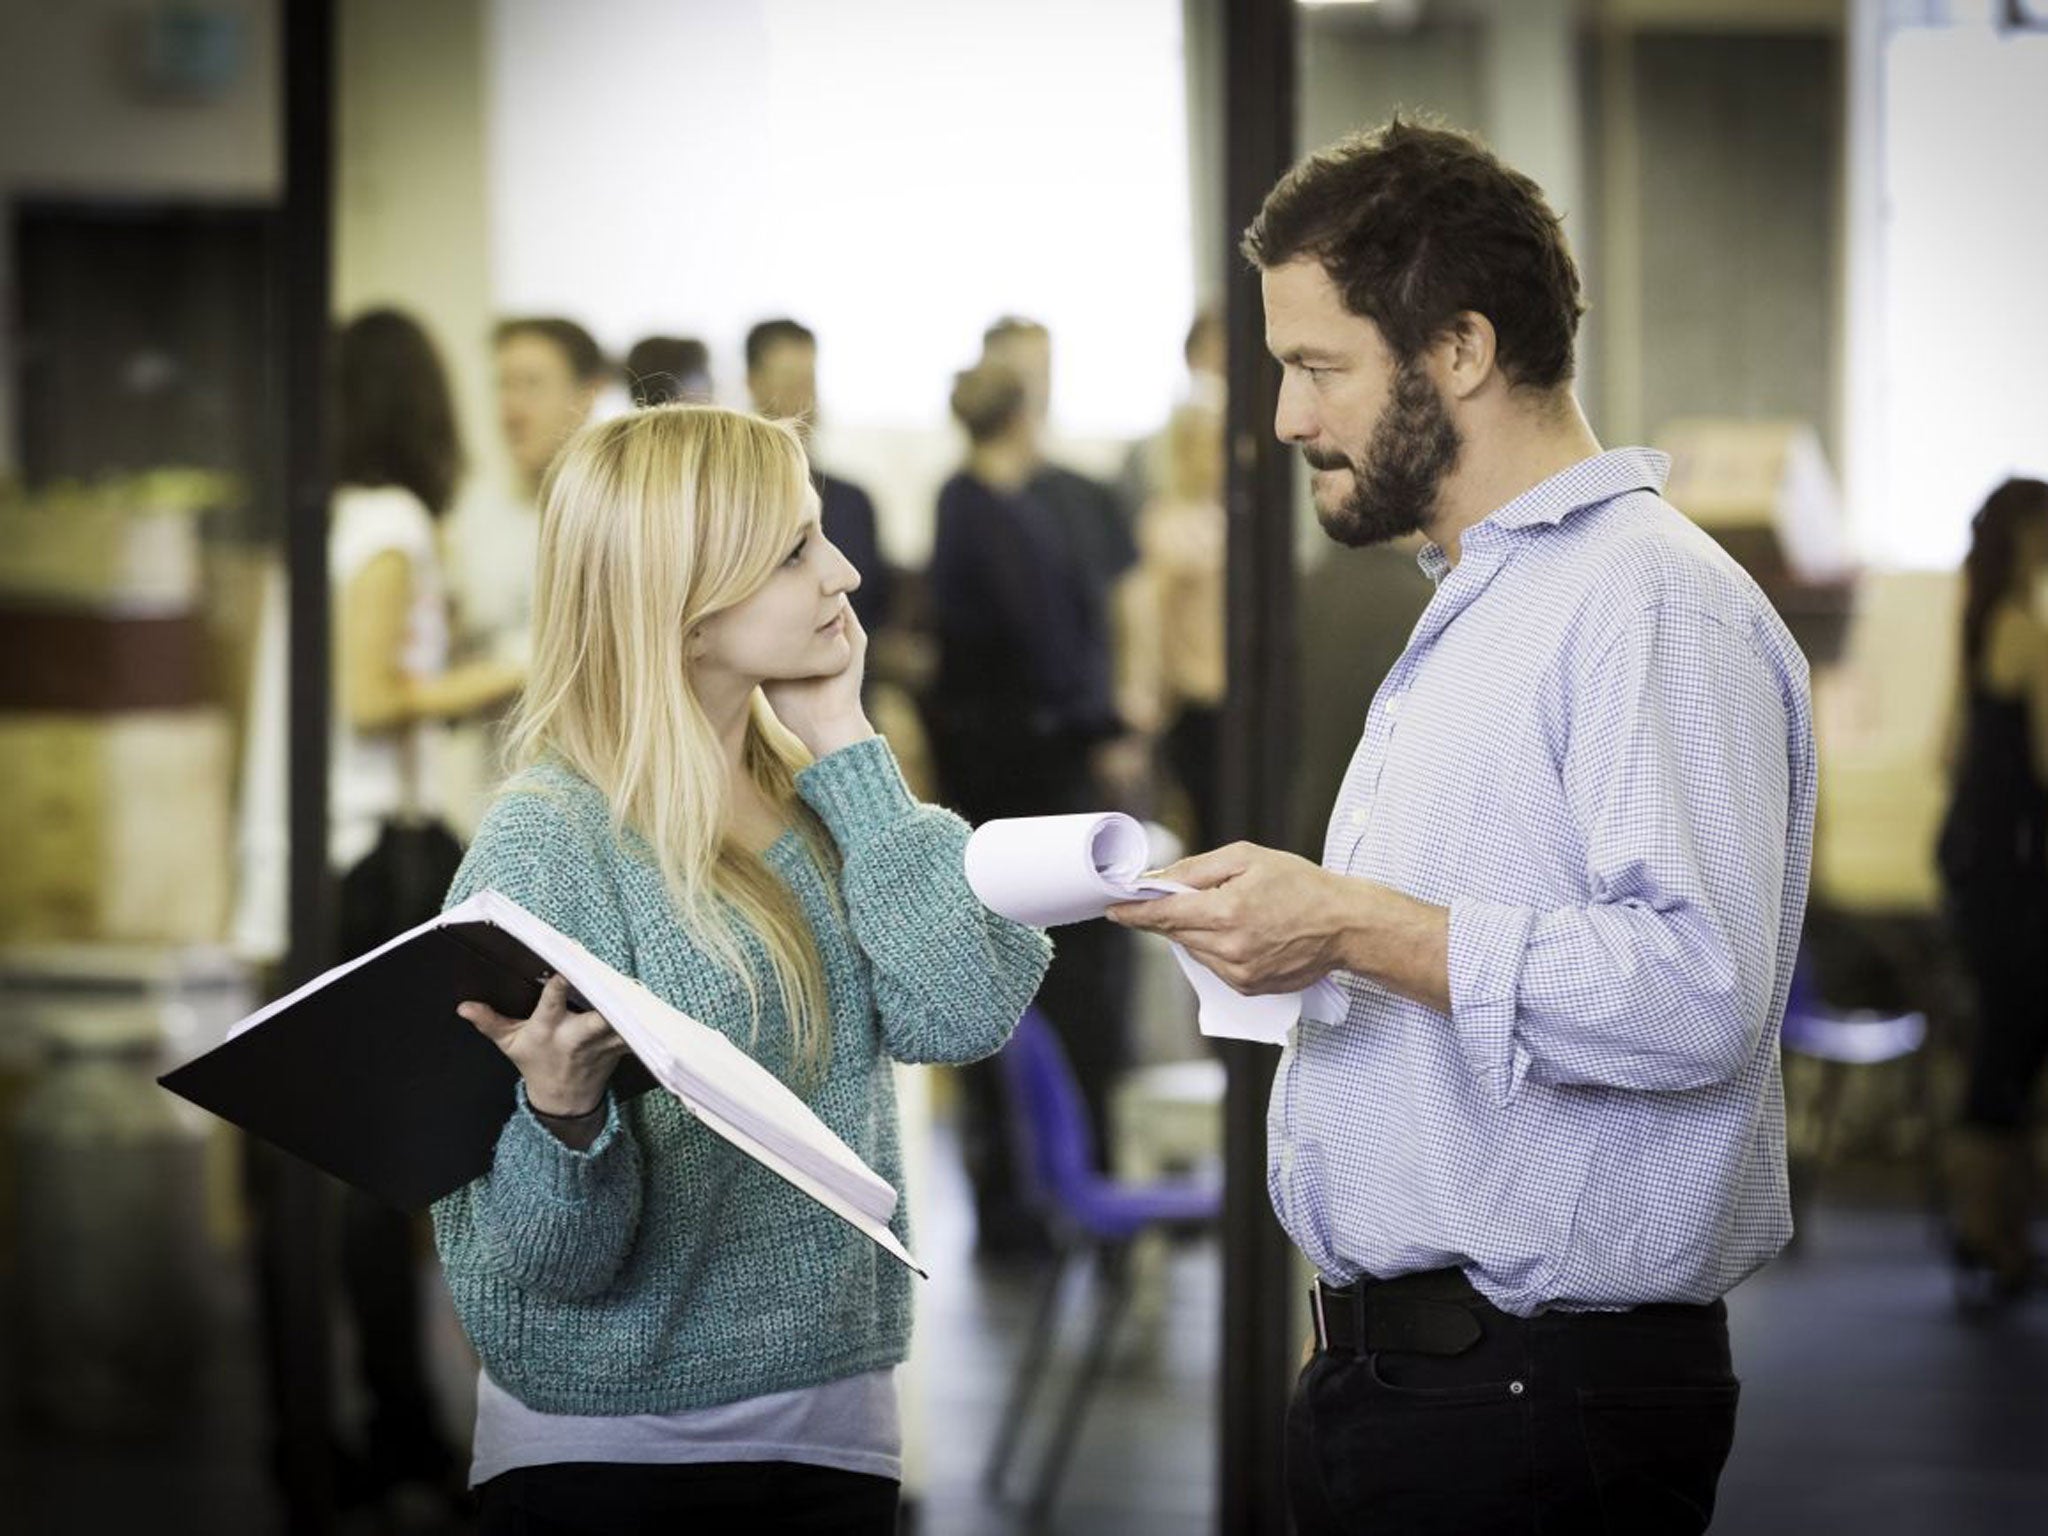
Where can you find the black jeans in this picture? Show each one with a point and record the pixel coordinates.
(1555, 1425)
(606, 1498)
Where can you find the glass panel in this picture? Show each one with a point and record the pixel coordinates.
(140, 541)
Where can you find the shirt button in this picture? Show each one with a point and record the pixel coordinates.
(1355, 817)
(1394, 704)
(1515, 1389)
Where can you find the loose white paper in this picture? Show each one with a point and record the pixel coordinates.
(1051, 870)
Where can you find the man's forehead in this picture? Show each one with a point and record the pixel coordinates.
(791, 353)
(1306, 316)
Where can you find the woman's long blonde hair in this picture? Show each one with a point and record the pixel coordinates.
(652, 523)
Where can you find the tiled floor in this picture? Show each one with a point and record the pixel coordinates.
(1869, 1408)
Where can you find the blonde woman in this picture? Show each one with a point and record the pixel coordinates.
(668, 1331)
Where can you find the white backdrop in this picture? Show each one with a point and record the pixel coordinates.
(895, 173)
(1964, 391)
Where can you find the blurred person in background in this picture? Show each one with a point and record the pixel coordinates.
(782, 381)
(1993, 856)
(1021, 700)
(1094, 521)
(1564, 885)
(550, 374)
(398, 460)
(1171, 612)
(1097, 527)
(1205, 351)
(673, 1338)
(661, 369)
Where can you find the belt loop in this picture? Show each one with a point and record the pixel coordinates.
(1315, 1307)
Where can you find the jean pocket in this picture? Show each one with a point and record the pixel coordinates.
(1413, 1380)
(1656, 1453)
(1425, 1462)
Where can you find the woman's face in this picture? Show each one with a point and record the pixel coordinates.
(2030, 548)
(2030, 566)
(793, 626)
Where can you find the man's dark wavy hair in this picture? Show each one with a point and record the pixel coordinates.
(1415, 224)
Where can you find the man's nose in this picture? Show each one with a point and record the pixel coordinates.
(1293, 420)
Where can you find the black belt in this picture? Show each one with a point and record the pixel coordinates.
(1431, 1313)
(1439, 1312)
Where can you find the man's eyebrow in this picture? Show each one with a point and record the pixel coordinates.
(1305, 355)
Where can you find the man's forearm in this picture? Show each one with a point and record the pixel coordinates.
(1402, 944)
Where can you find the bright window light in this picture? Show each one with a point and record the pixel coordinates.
(896, 174)
(1966, 302)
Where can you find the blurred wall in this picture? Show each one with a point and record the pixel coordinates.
(412, 223)
(84, 115)
(1693, 148)
(1737, 202)
(1959, 250)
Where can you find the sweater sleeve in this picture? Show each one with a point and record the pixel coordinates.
(951, 977)
(548, 1218)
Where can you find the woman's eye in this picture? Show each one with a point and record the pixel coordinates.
(798, 553)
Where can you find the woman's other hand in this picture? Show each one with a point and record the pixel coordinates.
(825, 713)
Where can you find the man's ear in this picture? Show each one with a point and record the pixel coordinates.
(1466, 354)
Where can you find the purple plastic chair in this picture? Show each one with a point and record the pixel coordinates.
(1838, 1041)
(1091, 1218)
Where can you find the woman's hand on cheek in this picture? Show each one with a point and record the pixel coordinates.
(825, 712)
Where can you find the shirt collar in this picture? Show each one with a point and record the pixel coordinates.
(1587, 483)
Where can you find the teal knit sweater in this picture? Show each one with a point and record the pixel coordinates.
(662, 1269)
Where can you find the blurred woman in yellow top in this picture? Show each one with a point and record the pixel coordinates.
(1171, 612)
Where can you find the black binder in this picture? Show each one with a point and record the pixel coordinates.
(375, 1078)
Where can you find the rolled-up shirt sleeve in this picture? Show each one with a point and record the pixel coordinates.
(1675, 771)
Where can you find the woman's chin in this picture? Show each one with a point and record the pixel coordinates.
(826, 655)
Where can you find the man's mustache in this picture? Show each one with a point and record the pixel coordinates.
(1325, 460)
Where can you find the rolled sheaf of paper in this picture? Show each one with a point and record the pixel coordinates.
(1045, 871)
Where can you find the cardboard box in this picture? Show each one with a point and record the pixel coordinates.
(129, 544)
(117, 827)
(53, 659)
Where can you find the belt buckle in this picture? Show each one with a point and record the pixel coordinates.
(1315, 1307)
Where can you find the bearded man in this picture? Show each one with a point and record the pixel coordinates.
(1562, 889)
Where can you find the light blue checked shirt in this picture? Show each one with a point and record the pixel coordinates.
(1597, 752)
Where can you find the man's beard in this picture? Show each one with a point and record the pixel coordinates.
(1394, 487)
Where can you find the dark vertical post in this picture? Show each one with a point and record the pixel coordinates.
(295, 1222)
(1258, 136)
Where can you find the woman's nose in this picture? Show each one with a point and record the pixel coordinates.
(844, 577)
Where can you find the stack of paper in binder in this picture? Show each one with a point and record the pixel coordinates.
(368, 1072)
